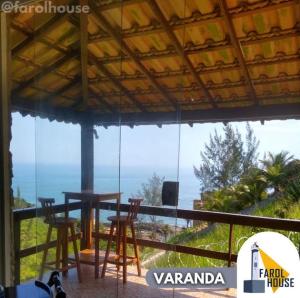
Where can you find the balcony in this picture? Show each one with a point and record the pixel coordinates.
(112, 285)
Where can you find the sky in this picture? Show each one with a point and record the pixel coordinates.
(41, 141)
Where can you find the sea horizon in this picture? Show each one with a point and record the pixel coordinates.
(51, 180)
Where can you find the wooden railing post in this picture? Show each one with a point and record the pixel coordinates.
(230, 244)
(17, 243)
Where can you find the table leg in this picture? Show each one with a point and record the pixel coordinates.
(65, 251)
(124, 253)
(86, 226)
(83, 226)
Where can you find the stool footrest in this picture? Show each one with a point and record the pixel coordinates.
(71, 264)
(119, 260)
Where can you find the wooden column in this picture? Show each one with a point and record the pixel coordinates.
(87, 181)
(84, 53)
(6, 234)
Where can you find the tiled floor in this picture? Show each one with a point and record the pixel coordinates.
(136, 287)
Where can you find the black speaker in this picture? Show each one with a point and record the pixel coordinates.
(170, 192)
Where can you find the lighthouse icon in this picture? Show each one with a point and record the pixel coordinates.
(255, 285)
(254, 262)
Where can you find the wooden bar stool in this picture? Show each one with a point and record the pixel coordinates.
(62, 262)
(120, 223)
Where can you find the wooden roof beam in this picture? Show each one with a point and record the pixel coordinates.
(63, 89)
(40, 67)
(238, 49)
(117, 3)
(93, 60)
(39, 33)
(250, 113)
(208, 69)
(84, 54)
(180, 50)
(214, 16)
(103, 102)
(45, 71)
(125, 48)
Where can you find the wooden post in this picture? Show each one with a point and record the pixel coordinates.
(84, 53)
(6, 234)
(87, 181)
(17, 244)
(230, 244)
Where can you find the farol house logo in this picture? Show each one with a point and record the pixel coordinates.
(268, 266)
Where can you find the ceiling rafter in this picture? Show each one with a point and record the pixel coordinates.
(259, 60)
(73, 83)
(50, 93)
(116, 3)
(116, 83)
(43, 40)
(212, 86)
(40, 67)
(94, 61)
(208, 46)
(38, 34)
(103, 101)
(117, 37)
(241, 10)
(196, 18)
(238, 49)
(83, 28)
(46, 70)
(63, 89)
(180, 50)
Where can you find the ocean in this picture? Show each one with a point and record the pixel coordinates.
(42, 180)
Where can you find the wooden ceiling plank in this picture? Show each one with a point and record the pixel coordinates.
(104, 102)
(41, 67)
(63, 89)
(93, 60)
(118, 38)
(198, 48)
(45, 71)
(117, 3)
(238, 49)
(44, 41)
(213, 16)
(209, 69)
(39, 33)
(179, 49)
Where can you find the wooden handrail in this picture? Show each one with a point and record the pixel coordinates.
(33, 212)
(215, 217)
(210, 216)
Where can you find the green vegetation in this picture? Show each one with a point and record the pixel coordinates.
(19, 202)
(225, 159)
(216, 238)
(151, 193)
(230, 186)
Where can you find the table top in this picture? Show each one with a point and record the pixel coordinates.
(91, 196)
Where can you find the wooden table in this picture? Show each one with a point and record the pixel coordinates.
(90, 199)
